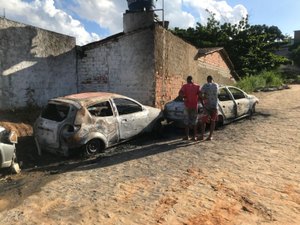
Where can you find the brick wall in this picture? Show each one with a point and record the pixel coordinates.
(35, 65)
(176, 59)
(215, 59)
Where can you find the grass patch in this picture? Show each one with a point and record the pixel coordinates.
(262, 80)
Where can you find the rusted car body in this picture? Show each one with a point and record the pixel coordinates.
(92, 122)
(233, 104)
(8, 158)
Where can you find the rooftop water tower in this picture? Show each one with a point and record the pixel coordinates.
(140, 5)
(140, 15)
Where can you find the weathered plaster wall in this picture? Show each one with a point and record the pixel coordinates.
(175, 59)
(35, 65)
(123, 64)
(148, 64)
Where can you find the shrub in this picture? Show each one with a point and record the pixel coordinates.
(272, 78)
(262, 80)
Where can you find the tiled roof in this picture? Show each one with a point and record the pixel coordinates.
(207, 51)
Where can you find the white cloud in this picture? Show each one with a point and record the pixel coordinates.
(107, 13)
(44, 14)
(186, 13)
(174, 13)
(180, 13)
(55, 15)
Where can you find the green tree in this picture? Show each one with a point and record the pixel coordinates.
(250, 47)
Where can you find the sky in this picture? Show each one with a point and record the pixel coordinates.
(92, 20)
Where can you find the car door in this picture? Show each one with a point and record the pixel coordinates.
(241, 100)
(6, 154)
(227, 105)
(105, 121)
(132, 117)
(49, 125)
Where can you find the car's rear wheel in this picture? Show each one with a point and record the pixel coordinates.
(220, 122)
(93, 147)
(157, 130)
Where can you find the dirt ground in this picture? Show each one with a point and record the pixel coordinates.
(249, 174)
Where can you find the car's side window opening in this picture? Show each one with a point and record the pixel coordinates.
(237, 94)
(101, 109)
(55, 112)
(125, 106)
(4, 137)
(223, 95)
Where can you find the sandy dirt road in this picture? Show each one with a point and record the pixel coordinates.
(249, 174)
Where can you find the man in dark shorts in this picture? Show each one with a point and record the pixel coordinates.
(209, 92)
(190, 93)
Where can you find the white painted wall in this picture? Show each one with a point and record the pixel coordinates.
(123, 64)
(35, 65)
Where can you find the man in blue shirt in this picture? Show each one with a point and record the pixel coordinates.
(209, 92)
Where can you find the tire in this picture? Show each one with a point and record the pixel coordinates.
(157, 130)
(252, 110)
(220, 122)
(93, 147)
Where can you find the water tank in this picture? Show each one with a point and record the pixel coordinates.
(140, 5)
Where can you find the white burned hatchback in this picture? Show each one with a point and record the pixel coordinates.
(233, 104)
(92, 122)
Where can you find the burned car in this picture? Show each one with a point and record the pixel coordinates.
(233, 104)
(8, 158)
(92, 122)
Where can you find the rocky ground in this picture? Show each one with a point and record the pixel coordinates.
(249, 174)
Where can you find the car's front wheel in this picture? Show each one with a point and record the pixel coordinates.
(93, 147)
(252, 110)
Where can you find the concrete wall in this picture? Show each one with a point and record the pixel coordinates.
(149, 64)
(175, 59)
(35, 65)
(122, 64)
(137, 20)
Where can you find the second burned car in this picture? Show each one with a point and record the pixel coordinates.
(92, 122)
(233, 104)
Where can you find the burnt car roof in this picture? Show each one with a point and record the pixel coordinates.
(86, 98)
(88, 95)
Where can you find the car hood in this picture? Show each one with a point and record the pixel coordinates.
(173, 111)
(174, 105)
(177, 106)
